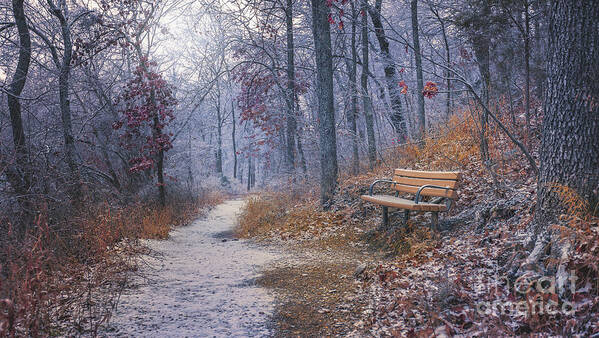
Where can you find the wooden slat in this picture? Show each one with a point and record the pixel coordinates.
(422, 181)
(410, 189)
(441, 175)
(401, 203)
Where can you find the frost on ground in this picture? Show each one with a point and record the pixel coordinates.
(201, 285)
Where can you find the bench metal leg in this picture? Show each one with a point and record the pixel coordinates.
(406, 216)
(435, 219)
(385, 217)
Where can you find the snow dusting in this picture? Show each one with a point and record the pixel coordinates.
(202, 284)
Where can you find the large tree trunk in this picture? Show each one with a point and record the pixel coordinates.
(397, 115)
(366, 101)
(420, 118)
(290, 95)
(570, 136)
(19, 175)
(65, 104)
(326, 113)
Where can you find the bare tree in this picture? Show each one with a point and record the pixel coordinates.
(19, 175)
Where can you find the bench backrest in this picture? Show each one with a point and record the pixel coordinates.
(409, 181)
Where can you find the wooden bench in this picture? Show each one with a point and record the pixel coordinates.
(439, 186)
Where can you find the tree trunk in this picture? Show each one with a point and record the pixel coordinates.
(300, 150)
(480, 45)
(157, 129)
(219, 140)
(290, 97)
(353, 114)
(527, 66)
(65, 104)
(366, 101)
(252, 173)
(20, 177)
(421, 118)
(233, 139)
(249, 182)
(397, 115)
(570, 136)
(326, 113)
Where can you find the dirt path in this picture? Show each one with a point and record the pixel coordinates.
(202, 285)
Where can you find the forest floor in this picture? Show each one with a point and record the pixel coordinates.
(344, 276)
(315, 287)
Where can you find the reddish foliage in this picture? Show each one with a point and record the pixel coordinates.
(404, 87)
(430, 90)
(148, 108)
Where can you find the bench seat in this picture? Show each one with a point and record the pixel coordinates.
(402, 203)
(440, 186)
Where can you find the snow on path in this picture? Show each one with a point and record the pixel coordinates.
(202, 286)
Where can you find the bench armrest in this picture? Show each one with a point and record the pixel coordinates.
(378, 181)
(417, 197)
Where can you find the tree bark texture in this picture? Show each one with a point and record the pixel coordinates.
(569, 153)
(290, 95)
(19, 176)
(366, 100)
(65, 104)
(326, 113)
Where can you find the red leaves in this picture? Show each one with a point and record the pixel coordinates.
(148, 108)
(330, 19)
(140, 164)
(430, 90)
(339, 14)
(117, 125)
(404, 87)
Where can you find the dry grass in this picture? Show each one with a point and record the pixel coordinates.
(452, 146)
(278, 214)
(262, 213)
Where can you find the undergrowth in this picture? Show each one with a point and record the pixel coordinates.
(278, 214)
(64, 279)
